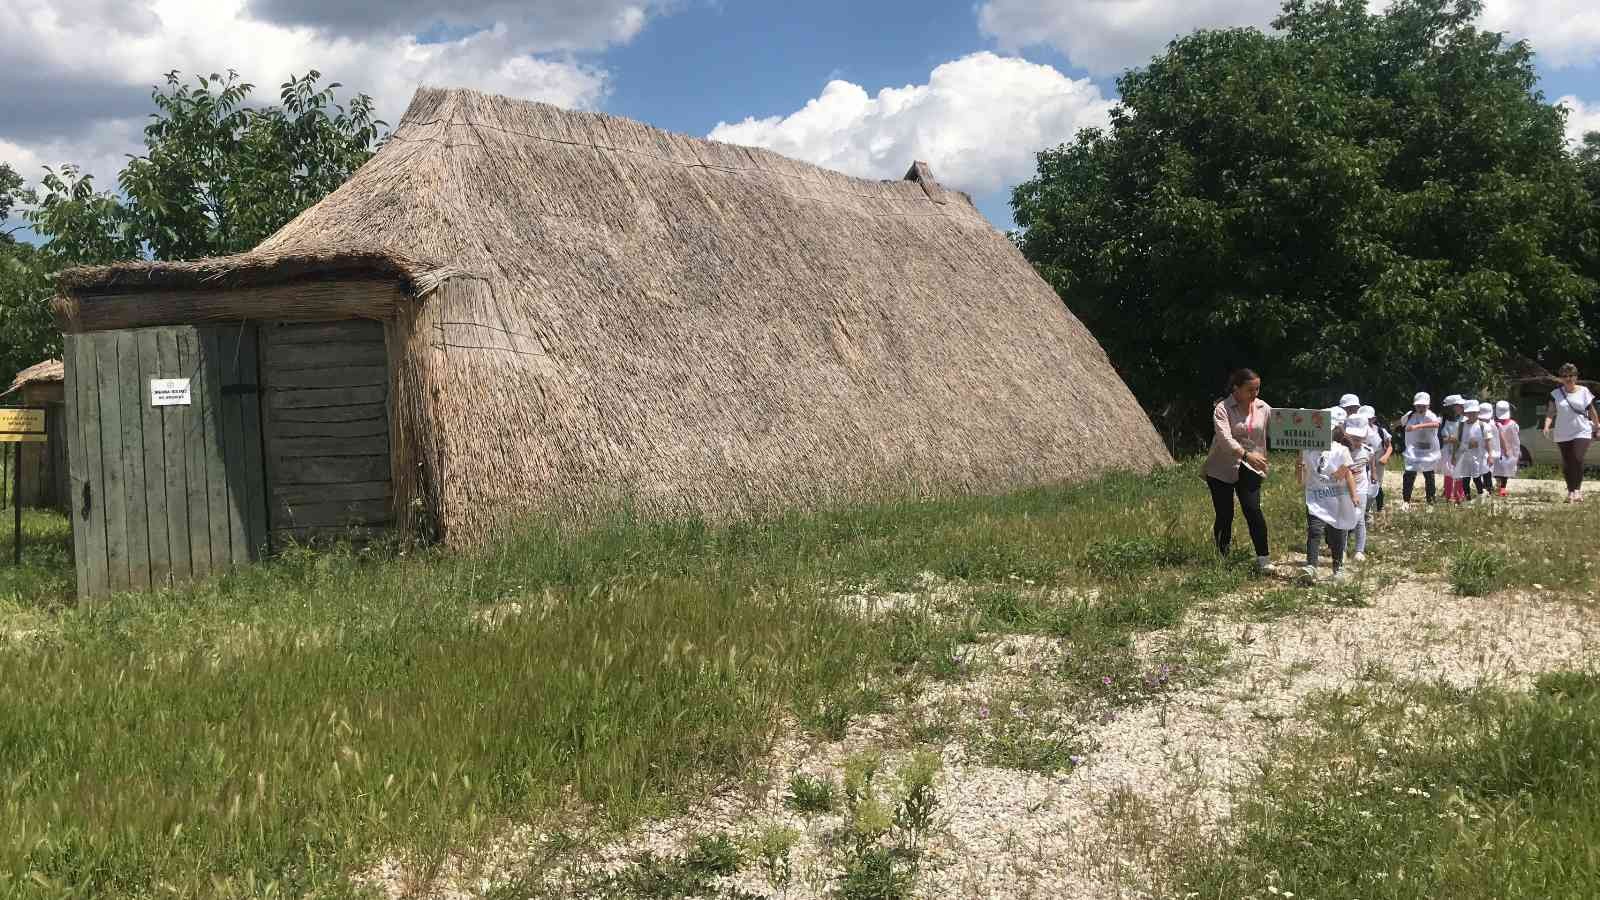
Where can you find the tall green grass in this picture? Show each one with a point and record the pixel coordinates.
(279, 727)
(45, 580)
(1491, 797)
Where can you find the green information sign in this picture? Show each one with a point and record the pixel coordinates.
(1299, 429)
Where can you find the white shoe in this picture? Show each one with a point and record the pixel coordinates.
(1264, 564)
(1577, 496)
(1309, 572)
(1338, 575)
(1360, 557)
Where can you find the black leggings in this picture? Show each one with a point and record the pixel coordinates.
(1409, 480)
(1572, 453)
(1248, 489)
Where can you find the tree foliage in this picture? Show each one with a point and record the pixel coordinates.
(217, 176)
(26, 331)
(220, 177)
(1374, 202)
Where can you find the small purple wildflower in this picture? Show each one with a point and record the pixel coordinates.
(983, 712)
(1106, 681)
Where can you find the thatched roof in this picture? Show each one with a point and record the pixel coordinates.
(702, 327)
(38, 373)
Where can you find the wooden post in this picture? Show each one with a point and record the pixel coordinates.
(24, 425)
(16, 506)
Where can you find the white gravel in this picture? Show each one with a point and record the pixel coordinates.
(1177, 761)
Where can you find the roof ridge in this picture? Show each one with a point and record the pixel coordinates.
(451, 111)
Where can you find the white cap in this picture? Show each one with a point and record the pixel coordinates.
(1469, 407)
(1503, 409)
(1349, 400)
(1421, 399)
(1453, 400)
(1336, 415)
(1356, 427)
(1367, 412)
(1485, 411)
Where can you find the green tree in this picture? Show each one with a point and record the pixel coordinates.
(11, 192)
(1374, 202)
(27, 334)
(219, 177)
(1586, 245)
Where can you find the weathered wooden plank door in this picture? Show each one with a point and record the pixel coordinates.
(326, 426)
(171, 492)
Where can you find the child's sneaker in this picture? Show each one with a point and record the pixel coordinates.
(1338, 575)
(1309, 572)
(1360, 557)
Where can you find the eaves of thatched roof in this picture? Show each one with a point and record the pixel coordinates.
(698, 327)
(38, 373)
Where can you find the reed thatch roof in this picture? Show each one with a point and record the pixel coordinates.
(39, 372)
(700, 327)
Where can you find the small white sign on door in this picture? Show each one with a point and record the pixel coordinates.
(169, 392)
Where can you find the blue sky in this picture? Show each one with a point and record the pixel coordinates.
(975, 88)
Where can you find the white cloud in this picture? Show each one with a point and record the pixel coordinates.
(978, 122)
(80, 71)
(1582, 118)
(1562, 32)
(1107, 36)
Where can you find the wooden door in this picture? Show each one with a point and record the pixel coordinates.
(163, 492)
(327, 429)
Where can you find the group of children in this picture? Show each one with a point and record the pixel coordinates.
(1474, 444)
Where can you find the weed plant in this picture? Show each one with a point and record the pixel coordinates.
(1475, 572)
(810, 794)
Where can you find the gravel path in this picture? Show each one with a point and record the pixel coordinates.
(1175, 762)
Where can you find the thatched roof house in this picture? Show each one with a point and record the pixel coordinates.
(578, 304)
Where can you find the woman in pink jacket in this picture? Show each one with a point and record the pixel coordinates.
(1237, 463)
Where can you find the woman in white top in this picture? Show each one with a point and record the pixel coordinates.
(1422, 446)
(1571, 424)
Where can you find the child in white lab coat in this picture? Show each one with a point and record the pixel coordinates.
(1510, 434)
(1332, 505)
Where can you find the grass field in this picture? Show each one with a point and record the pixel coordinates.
(278, 730)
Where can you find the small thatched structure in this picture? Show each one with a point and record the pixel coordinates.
(581, 306)
(38, 377)
(44, 466)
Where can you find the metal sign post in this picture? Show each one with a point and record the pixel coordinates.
(19, 425)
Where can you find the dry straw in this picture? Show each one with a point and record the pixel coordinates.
(38, 373)
(589, 308)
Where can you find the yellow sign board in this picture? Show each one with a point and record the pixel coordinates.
(21, 426)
